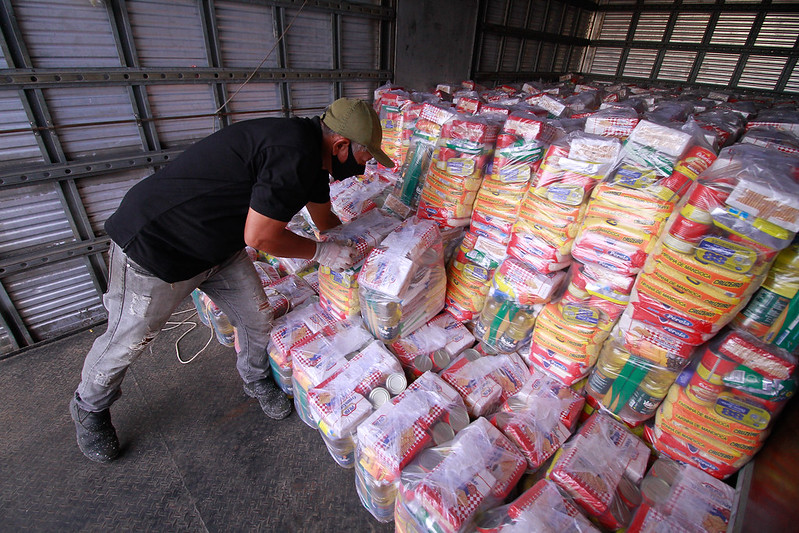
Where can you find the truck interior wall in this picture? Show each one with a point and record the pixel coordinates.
(434, 42)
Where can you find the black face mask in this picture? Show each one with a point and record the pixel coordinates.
(350, 167)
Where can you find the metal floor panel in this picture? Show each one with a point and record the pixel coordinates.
(198, 454)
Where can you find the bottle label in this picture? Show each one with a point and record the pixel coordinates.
(643, 403)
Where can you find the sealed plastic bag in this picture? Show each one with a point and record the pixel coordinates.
(445, 486)
(428, 413)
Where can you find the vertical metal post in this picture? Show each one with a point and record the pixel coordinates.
(278, 22)
(213, 55)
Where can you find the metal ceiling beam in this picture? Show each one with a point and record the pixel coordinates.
(29, 78)
(82, 169)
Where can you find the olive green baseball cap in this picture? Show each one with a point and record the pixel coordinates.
(357, 121)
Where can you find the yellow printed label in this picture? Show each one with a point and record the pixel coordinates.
(725, 254)
(730, 407)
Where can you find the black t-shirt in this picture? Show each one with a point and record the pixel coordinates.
(190, 215)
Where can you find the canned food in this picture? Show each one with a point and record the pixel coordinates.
(378, 396)
(428, 459)
(471, 354)
(654, 490)
(442, 432)
(440, 359)
(458, 419)
(665, 469)
(396, 383)
(423, 363)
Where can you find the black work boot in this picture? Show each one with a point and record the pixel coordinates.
(274, 403)
(97, 438)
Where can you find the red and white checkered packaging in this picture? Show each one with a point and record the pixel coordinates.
(479, 468)
(540, 417)
(368, 369)
(594, 461)
(293, 328)
(324, 353)
(391, 437)
(486, 382)
(610, 126)
(634, 450)
(528, 286)
(442, 332)
(543, 504)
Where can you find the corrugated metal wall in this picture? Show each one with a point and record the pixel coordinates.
(741, 45)
(738, 44)
(526, 40)
(97, 94)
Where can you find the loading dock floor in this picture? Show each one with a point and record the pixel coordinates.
(198, 454)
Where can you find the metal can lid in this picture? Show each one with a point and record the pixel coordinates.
(517, 404)
(629, 493)
(458, 419)
(471, 354)
(441, 359)
(654, 490)
(378, 396)
(423, 363)
(442, 432)
(396, 383)
(428, 459)
(666, 469)
(676, 244)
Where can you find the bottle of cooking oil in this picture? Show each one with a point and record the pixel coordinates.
(779, 287)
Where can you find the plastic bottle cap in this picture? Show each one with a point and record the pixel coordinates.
(396, 383)
(378, 396)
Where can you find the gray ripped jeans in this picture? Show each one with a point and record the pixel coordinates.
(139, 304)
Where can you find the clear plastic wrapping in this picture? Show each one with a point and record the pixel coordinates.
(485, 382)
(342, 401)
(338, 290)
(321, 355)
(432, 346)
(403, 281)
(553, 209)
(542, 508)
(616, 122)
(685, 499)
(428, 413)
(717, 247)
(539, 418)
(721, 409)
(470, 273)
(512, 303)
(288, 331)
(352, 197)
(390, 111)
(456, 171)
(519, 150)
(445, 486)
(596, 463)
(631, 381)
(630, 208)
(425, 135)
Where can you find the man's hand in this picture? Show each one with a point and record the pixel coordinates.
(335, 256)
